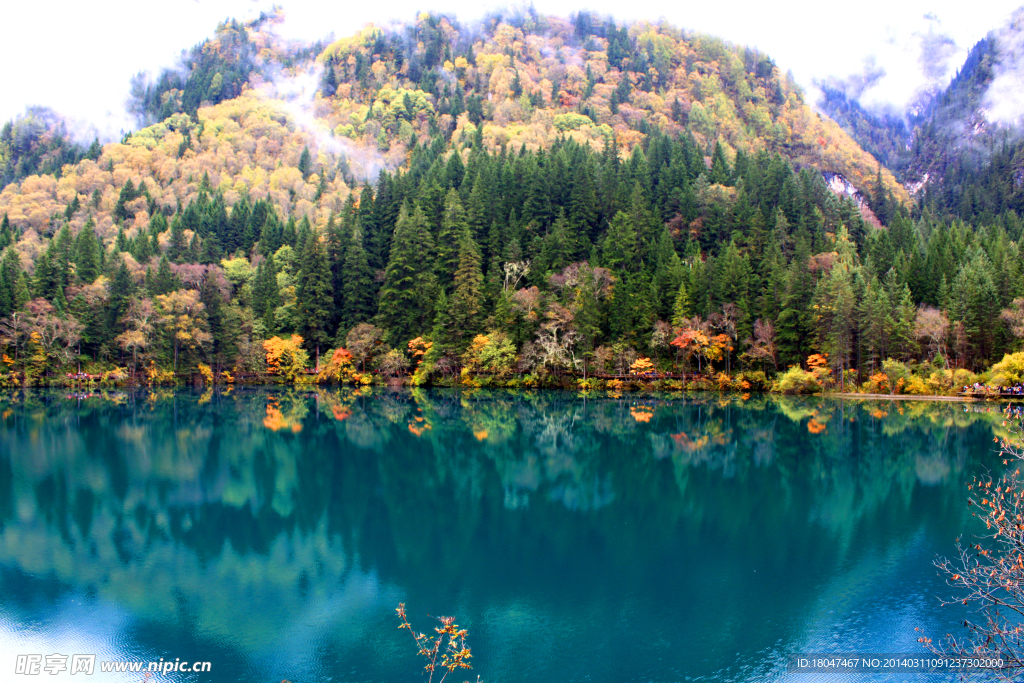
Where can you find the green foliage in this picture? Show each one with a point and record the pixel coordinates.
(691, 214)
(797, 381)
(37, 142)
(898, 374)
(407, 295)
(493, 353)
(314, 302)
(571, 121)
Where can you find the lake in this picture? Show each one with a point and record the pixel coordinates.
(272, 533)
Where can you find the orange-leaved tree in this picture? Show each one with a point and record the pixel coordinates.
(989, 572)
(695, 339)
(286, 357)
(817, 364)
(641, 366)
(449, 644)
(418, 348)
(338, 368)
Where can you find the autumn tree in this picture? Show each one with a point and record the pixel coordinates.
(582, 289)
(338, 367)
(557, 338)
(986, 573)
(55, 335)
(761, 346)
(139, 319)
(286, 357)
(1014, 317)
(362, 341)
(932, 326)
(182, 317)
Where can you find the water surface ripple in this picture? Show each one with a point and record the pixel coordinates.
(273, 532)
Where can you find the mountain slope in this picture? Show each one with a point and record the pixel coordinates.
(379, 92)
(524, 195)
(961, 152)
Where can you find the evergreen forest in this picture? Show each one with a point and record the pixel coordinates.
(532, 202)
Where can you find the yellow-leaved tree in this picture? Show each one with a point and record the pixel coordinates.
(286, 357)
(338, 369)
(183, 318)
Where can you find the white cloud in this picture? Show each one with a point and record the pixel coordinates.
(78, 58)
(1004, 100)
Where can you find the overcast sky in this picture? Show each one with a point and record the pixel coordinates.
(78, 57)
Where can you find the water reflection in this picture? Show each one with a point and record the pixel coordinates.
(602, 539)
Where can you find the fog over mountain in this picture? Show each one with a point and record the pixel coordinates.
(883, 54)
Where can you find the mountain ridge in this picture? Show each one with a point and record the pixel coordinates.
(530, 196)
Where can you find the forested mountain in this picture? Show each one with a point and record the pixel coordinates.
(960, 151)
(38, 143)
(534, 195)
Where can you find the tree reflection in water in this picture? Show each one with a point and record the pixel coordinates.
(242, 509)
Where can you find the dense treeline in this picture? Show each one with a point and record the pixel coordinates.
(211, 72)
(38, 143)
(551, 261)
(557, 198)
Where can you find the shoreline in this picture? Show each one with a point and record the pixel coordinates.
(909, 397)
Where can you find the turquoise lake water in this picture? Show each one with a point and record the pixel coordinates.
(273, 533)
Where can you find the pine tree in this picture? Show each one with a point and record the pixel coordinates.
(121, 241)
(313, 295)
(583, 201)
(224, 347)
(677, 111)
(234, 236)
(21, 292)
(60, 303)
(619, 251)
(795, 324)
(63, 248)
(453, 227)
(720, 173)
(466, 303)
(266, 296)
(681, 306)
(586, 309)
(305, 163)
(46, 278)
(94, 331)
(409, 289)
(164, 281)
(10, 275)
(128, 194)
(87, 254)
(874, 325)
(120, 290)
(358, 283)
(177, 247)
(6, 233)
(561, 247)
(834, 307)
